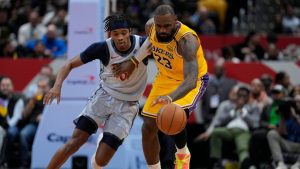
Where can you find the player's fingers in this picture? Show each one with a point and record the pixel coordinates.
(47, 98)
(58, 99)
(154, 103)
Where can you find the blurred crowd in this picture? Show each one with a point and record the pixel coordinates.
(32, 28)
(222, 16)
(255, 125)
(20, 114)
(38, 29)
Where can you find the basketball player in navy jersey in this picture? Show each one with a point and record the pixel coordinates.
(115, 102)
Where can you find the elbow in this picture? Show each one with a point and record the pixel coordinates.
(68, 66)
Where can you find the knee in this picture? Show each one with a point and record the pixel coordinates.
(272, 135)
(99, 162)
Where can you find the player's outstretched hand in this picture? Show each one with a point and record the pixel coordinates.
(123, 70)
(53, 93)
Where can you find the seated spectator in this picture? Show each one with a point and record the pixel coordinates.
(13, 104)
(287, 136)
(45, 72)
(217, 90)
(290, 22)
(259, 96)
(250, 50)
(269, 119)
(229, 55)
(40, 51)
(55, 46)
(32, 115)
(6, 31)
(218, 6)
(267, 81)
(234, 125)
(283, 79)
(32, 30)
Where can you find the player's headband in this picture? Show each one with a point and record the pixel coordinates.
(119, 25)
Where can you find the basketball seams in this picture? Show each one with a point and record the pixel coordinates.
(182, 121)
(170, 125)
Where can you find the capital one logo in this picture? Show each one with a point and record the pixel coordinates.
(54, 137)
(86, 30)
(82, 80)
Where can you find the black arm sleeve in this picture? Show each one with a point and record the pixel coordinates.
(96, 51)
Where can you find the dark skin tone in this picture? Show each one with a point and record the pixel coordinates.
(187, 48)
(104, 153)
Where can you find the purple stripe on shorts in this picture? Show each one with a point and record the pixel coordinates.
(204, 82)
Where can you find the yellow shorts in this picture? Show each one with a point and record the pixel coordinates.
(163, 86)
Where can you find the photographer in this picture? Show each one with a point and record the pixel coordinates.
(286, 138)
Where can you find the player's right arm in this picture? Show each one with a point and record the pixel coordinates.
(128, 67)
(94, 51)
(55, 91)
(148, 26)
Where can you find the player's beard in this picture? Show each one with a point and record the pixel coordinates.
(167, 37)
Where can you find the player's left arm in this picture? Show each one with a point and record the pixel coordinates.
(187, 48)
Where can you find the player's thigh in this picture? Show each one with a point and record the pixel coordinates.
(121, 120)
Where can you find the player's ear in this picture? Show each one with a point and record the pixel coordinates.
(175, 17)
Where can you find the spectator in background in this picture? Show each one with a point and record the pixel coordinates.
(267, 81)
(259, 96)
(55, 46)
(282, 78)
(31, 30)
(205, 25)
(6, 33)
(217, 91)
(9, 50)
(269, 119)
(59, 19)
(223, 110)
(295, 91)
(229, 55)
(272, 51)
(218, 6)
(287, 136)
(235, 125)
(45, 72)
(13, 104)
(250, 50)
(40, 51)
(290, 22)
(32, 115)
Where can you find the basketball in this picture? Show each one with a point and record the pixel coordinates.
(171, 119)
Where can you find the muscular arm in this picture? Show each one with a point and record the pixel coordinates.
(187, 48)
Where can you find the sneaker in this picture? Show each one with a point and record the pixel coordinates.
(281, 165)
(296, 165)
(182, 161)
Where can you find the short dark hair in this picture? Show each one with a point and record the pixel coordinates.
(115, 21)
(163, 10)
(279, 76)
(244, 89)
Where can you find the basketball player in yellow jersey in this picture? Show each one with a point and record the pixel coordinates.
(182, 78)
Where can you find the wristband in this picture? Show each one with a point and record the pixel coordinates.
(133, 60)
(169, 98)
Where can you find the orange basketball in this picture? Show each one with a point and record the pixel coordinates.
(171, 119)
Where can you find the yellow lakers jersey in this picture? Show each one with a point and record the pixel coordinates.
(168, 61)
